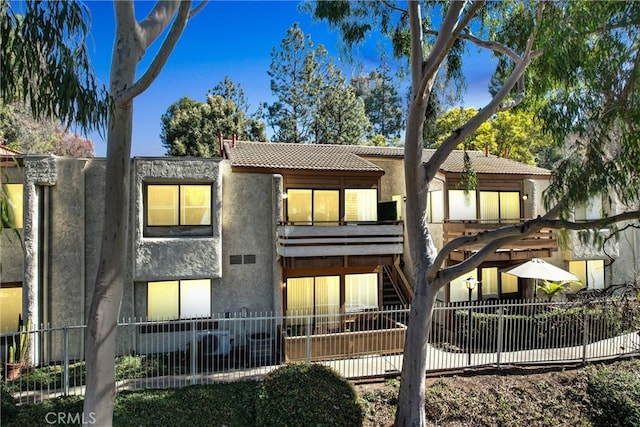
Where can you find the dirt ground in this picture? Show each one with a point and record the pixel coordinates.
(516, 397)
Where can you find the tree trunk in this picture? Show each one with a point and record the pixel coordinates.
(411, 398)
(107, 294)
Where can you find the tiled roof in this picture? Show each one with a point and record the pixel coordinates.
(352, 158)
(6, 151)
(486, 164)
(297, 156)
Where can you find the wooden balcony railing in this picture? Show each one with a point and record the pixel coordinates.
(345, 240)
(543, 240)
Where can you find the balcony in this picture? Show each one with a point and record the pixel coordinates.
(340, 240)
(541, 244)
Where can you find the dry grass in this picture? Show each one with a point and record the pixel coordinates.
(513, 398)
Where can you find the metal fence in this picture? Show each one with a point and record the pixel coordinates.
(164, 354)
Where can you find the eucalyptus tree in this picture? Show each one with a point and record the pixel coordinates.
(45, 63)
(585, 61)
(45, 66)
(131, 41)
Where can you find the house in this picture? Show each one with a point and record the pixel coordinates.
(284, 228)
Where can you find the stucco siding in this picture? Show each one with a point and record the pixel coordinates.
(177, 257)
(65, 250)
(248, 231)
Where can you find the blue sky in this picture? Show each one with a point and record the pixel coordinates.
(233, 38)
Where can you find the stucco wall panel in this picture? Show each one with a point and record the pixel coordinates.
(66, 247)
(248, 228)
(177, 257)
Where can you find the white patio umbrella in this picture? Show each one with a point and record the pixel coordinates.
(537, 268)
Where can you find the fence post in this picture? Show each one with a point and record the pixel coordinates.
(194, 352)
(65, 356)
(585, 333)
(500, 334)
(308, 341)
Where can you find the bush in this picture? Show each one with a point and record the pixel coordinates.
(8, 406)
(305, 394)
(614, 393)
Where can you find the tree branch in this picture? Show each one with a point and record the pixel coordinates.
(503, 235)
(417, 55)
(157, 20)
(394, 7)
(441, 46)
(163, 54)
(494, 106)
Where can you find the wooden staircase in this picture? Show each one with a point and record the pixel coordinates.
(396, 290)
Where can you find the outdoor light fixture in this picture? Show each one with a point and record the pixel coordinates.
(470, 283)
(284, 195)
(525, 197)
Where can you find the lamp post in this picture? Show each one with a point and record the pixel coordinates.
(470, 283)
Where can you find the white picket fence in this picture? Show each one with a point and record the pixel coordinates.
(364, 344)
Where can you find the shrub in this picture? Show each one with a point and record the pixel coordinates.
(305, 394)
(614, 393)
(8, 407)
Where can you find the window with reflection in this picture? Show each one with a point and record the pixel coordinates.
(321, 296)
(178, 299)
(10, 306)
(14, 194)
(361, 291)
(589, 272)
(435, 206)
(322, 207)
(593, 209)
(462, 205)
(500, 206)
(172, 206)
(361, 205)
(313, 207)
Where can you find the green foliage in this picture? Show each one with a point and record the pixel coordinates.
(45, 62)
(309, 395)
(20, 131)
(584, 89)
(551, 289)
(513, 132)
(381, 102)
(8, 407)
(191, 128)
(18, 350)
(314, 102)
(546, 327)
(614, 394)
